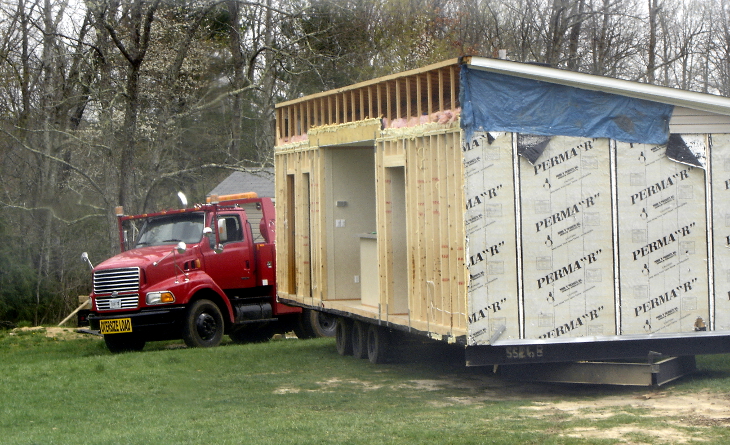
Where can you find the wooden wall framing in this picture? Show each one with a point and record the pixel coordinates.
(425, 289)
(422, 92)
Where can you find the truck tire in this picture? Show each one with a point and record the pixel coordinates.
(203, 327)
(117, 343)
(378, 344)
(359, 339)
(315, 324)
(343, 336)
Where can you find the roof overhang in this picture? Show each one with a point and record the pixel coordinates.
(698, 101)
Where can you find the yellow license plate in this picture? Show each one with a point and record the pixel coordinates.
(115, 326)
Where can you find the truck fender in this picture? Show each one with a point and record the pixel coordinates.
(194, 284)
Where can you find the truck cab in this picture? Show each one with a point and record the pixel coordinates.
(196, 274)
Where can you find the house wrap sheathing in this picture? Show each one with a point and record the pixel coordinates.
(490, 202)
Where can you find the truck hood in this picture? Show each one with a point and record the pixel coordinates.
(143, 257)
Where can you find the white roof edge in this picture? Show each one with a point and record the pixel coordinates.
(655, 93)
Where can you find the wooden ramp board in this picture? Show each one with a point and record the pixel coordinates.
(649, 373)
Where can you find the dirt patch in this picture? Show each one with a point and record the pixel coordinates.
(56, 332)
(327, 385)
(566, 403)
(365, 386)
(634, 435)
(703, 409)
(578, 402)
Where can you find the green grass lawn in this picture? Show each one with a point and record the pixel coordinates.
(299, 392)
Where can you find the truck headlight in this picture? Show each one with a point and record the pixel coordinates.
(161, 297)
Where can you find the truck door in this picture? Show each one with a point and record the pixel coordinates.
(232, 268)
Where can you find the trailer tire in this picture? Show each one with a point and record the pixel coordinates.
(203, 327)
(315, 324)
(378, 341)
(343, 336)
(322, 324)
(359, 339)
(117, 343)
(301, 326)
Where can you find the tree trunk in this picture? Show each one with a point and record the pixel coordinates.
(239, 80)
(576, 18)
(556, 31)
(266, 146)
(128, 137)
(651, 49)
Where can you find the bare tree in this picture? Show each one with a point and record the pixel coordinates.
(109, 102)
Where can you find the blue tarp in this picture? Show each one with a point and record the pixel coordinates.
(498, 102)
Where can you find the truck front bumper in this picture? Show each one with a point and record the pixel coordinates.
(151, 324)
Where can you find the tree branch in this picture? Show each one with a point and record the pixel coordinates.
(83, 174)
(53, 213)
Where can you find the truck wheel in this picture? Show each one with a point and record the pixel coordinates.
(203, 327)
(359, 339)
(117, 343)
(378, 342)
(343, 337)
(314, 324)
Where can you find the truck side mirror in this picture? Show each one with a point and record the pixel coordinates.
(222, 230)
(181, 247)
(85, 259)
(208, 232)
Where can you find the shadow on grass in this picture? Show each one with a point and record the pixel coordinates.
(424, 357)
(444, 363)
(413, 358)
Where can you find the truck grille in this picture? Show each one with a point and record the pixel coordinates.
(116, 280)
(125, 302)
(108, 284)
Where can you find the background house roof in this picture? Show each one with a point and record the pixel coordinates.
(259, 181)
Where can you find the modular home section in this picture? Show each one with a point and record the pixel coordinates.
(492, 203)
(370, 195)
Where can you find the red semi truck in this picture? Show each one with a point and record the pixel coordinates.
(196, 273)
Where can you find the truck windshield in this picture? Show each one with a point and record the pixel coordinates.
(171, 229)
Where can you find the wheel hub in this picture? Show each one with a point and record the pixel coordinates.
(327, 323)
(206, 326)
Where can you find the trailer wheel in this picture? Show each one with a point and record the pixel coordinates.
(117, 343)
(359, 339)
(378, 340)
(314, 324)
(301, 326)
(203, 327)
(323, 325)
(343, 337)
